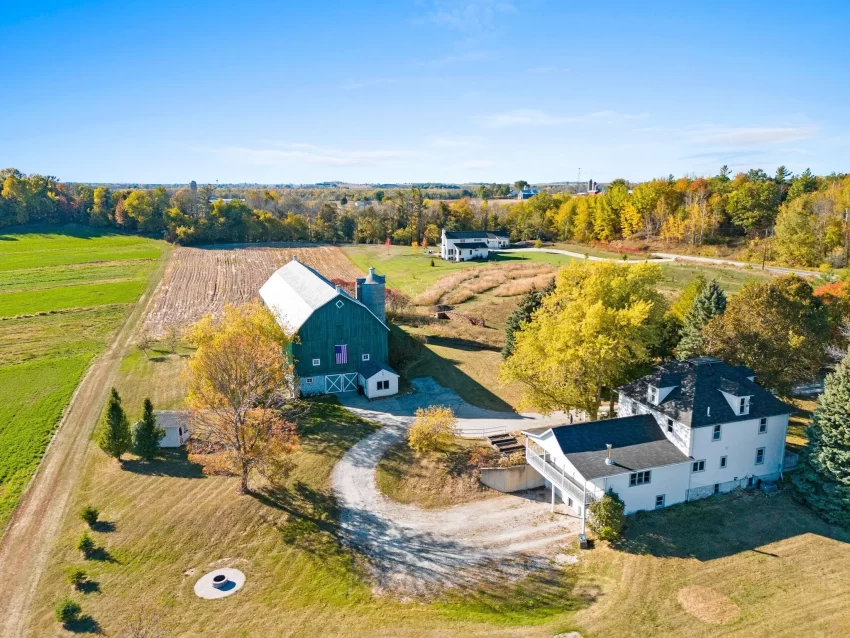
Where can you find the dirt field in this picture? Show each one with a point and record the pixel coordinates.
(198, 281)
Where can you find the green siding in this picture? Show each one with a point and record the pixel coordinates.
(329, 326)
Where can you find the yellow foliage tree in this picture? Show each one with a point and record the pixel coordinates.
(596, 327)
(239, 380)
(432, 430)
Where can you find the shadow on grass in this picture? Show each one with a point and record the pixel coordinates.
(84, 625)
(468, 345)
(103, 526)
(328, 429)
(173, 462)
(89, 587)
(722, 526)
(102, 555)
(420, 361)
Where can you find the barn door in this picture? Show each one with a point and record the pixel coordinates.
(333, 383)
(349, 382)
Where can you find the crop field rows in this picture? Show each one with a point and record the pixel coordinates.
(199, 281)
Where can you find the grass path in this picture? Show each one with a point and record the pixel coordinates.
(29, 537)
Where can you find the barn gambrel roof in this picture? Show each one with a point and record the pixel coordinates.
(295, 291)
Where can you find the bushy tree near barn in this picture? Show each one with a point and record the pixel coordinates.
(708, 303)
(778, 328)
(148, 434)
(599, 324)
(240, 379)
(114, 436)
(606, 517)
(432, 430)
(823, 479)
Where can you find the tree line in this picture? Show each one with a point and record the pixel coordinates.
(797, 220)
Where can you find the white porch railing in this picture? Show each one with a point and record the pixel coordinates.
(556, 476)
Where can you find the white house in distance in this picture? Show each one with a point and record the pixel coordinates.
(464, 245)
(690, 430)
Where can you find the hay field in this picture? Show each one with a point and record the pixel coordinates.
(199, 281)
(63, 294)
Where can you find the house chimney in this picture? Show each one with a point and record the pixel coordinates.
(609, 460)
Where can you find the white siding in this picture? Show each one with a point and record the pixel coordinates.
(681, 434)
(669, 480)
(370, 385)
(174, 437)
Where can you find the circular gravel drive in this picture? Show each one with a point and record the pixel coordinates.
(417, 551)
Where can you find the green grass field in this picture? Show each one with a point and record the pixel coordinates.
(63, 294)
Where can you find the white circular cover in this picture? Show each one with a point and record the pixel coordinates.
(204, 587)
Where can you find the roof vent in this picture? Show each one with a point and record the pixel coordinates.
(295, 258)
(708, 413)
(609, 460)
(338, 288)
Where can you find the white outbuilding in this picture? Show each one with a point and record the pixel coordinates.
(176, 426)
(378, 380)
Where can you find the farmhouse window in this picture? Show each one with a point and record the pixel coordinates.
(639, 478)
(715, 436)
(722, 462)
(760, 456)
(659, 500)
(364, 357)
(652, 395)
(698, 466)
(762, 425)
(744, 405)
(317, 362)
(669, 425)
(717, 488)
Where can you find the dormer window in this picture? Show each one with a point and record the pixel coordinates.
(652, 395)
(744, 405)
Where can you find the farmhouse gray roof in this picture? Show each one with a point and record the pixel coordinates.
(637, 443)
(475, 234)
(295, 291)
(697, 400)
(470, 244)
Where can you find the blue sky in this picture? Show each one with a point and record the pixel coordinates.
(421, 90)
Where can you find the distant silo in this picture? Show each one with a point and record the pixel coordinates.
(370, 291)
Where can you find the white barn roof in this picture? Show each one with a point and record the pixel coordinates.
(295, 291)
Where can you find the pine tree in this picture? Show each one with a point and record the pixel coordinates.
(529, 303)
(710, 302)
(148, 434)
(115, 438)
(823, 480)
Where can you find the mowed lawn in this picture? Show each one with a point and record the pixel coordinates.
(63, 294)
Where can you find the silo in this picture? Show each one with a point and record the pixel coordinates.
(370, 291)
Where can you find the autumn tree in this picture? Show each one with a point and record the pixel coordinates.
(593, 331)
(823, 479)
(432, 429)
(240, 379)
(114, 436)
(777, 327)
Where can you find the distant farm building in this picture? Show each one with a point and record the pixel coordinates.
(471, 244)
(342, 341)
(527, 193)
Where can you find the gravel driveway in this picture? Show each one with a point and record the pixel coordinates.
(417, 552)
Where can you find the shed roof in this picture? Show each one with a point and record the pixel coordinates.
(372, 368)
(295, 291)
(167, 419)
(637, 444)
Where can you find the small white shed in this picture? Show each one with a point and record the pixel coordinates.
(378, 380)
(176, 426)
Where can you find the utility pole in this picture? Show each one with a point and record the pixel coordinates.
(846, 237)
(578, 182)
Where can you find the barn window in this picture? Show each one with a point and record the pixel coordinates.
(339, 304)
(364, 357)
(308, 380)
(317, 362)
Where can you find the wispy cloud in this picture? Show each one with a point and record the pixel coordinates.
(533, 117)
(455, 142)
(278, 154)
(753, 136)
(478, 164)
(469, 15)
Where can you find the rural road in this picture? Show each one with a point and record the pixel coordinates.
(415, 551)
(29, 537)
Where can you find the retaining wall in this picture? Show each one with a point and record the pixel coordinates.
(511, 479)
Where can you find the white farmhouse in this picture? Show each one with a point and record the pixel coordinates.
(465, 245)
(690, 430)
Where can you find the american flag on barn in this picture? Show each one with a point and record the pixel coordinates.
(341, 354)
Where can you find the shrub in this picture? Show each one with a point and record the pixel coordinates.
(432, 262)
(607, 517)
(67, 611)
(77, 578)
(432, 430)
(89, 515)
(538, 243)
(86, 544)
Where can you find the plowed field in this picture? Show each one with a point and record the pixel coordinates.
(199, 281)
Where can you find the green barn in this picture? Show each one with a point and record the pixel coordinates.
(341, 341)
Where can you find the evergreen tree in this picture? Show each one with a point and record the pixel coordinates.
(823, 479)
(115, 438)
(710, 302)
(529, 303)
(148, 434)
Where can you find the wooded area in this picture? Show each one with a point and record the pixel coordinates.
(796, 220)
